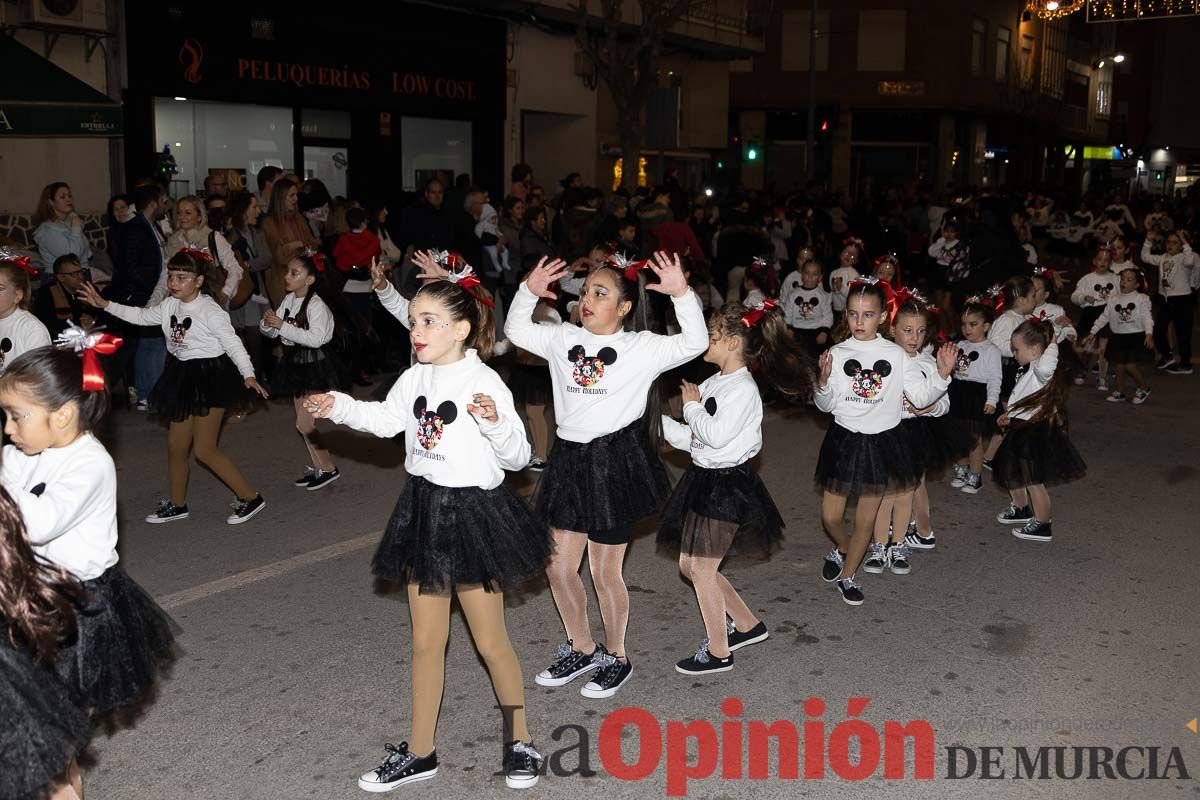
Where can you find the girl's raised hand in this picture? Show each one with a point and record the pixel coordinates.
(670, 275)
(947, 354)
(544, 275)
(251, 383)
(428, 266)
(271, 319)
(319, 405)
(484, 407)
(690, 392)
(379, 279)
(89, 295)
(826, 364)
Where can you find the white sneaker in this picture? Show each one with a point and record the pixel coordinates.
(960, 476)
(1141, 396)
(1101, 385)
(1116, 397)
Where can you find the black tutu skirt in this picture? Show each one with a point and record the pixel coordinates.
(732, 495)
(1088, 318)
(866, 463)
(441, 536)
(1008, 377)
(1127, 348)
(967, 400)
(191, 388)
(123, 641)
(1036, 453)
(608, 483)
(41, 728)
(937, 442)
(530, 384)
(304, 370)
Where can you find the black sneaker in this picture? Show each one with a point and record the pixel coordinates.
(1165, 362)
(522, 765)
(832, 566)
(398, 768)
(918, 542)
(243, 510)
(897, 559)
(613, 674)
(704, 662)
(323, 479)
(536, 465)
(1015, 516)
(973, 483)
(1180, 369)
(739, 639)
(987, 464)
(851, 591)
(167, 512)
(568, 665)
(303, 480)
(876, 559)
(1034, 531)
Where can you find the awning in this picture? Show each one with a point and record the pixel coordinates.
(41, 99)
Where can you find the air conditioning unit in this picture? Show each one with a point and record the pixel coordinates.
(81, 14)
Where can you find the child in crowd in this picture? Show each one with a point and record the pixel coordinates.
(1178, 279)
(1045, 307)
(846, 272)
(1130, 322)
(1091, 295)
(808, 309)
(20, 331)
(975, 390)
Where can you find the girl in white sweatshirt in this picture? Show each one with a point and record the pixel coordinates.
(1130, 321)
(720, 502)
(457, 531)
(1091, 295)
(863, 382)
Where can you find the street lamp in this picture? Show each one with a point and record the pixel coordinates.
(1119, 58)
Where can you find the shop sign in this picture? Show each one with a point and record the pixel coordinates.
(902, 88)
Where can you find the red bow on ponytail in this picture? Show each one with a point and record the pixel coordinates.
(21, 262)
(196, 254)
(622, 263)
(91, 345)
(755, 315)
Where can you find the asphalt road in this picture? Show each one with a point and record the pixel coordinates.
(293, 670)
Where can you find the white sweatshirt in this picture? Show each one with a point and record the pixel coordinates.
(724, 429)
(809, 309)
(789, 285)
(927, 364)
(20, 332)
(445, 443)
(68, 498)
(315, 332)
(1126, 313)
(980, 362)
(1051, 312)
(1002, 331)
(199, 329)
(601, 382)
(869, 382)
(1178, 275)
(847, 275)
(1095, 285)
(395, 304)
(1038, 375)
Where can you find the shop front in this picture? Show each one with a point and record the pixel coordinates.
(372, 107)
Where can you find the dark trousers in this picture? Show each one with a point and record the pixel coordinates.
(1180, 310)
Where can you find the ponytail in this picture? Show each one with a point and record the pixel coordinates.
(1051, 400)
(767, 343)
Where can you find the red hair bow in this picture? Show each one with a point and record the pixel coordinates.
(450, 260)
(621, 262)
(854, 240)
(21, 262)
(755, 315)
(319, 261)
(1043, 272)
(996, 294)
(91, 345)
(903, 295)
(196, 254)
(467, 279)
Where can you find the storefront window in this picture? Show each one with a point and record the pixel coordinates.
(434, 148)
(318, 123)
(209, 137)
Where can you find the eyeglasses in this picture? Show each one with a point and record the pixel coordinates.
(180, 277)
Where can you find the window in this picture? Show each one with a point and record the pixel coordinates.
(1054, 59)
(235, 139)
(978, 35)
(1003, 35)
(1026, 65)
(795, 34)
(881, 36)
(1104, 92)
(432, 146)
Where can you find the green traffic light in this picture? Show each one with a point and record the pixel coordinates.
(751, 154)
(720, 165)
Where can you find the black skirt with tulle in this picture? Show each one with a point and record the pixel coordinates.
(853, 463)
(733, 495)
(1034, 453)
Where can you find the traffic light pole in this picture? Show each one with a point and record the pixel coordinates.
(811, 138)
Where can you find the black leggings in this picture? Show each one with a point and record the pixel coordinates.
(1180, 310)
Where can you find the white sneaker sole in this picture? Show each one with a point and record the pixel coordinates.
(762, 637)
(849, 602)
(683, 671)
(545, 679)
(600, 694)
(1137, 401)
(520, 783)
(1028, 538)
(161, 520)
(322, 485)
(972, 489)
(379, 788)
(918, 545)
(236, 520)
(902, 571)
(874, 570)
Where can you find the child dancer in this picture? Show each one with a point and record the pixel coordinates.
(1016, 297)
(975, 391)
(44, 731)
(1129, 318)
(757, 282)
(1045, 307)
(1121, 255)
(1178, 278)
(720, 502)
(847, 271)
(808, 310)
(198, 382)
(20, 330)
(863, 382)
(1036, 451)
(65, 484)
(457, 531)
(604, 473)
(304, 323)
(1091, 294)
